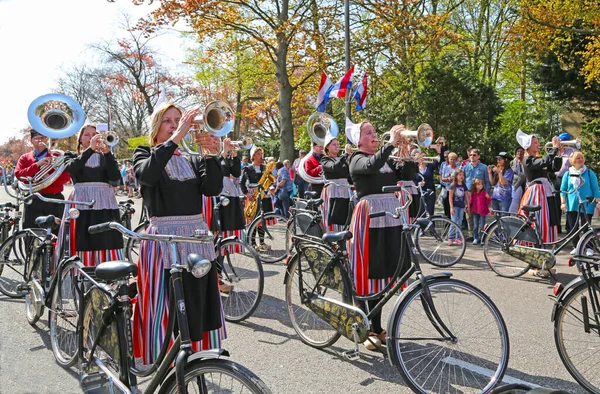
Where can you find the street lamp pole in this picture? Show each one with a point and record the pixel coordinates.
(347, 48)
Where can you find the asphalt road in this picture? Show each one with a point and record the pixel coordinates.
(267, 344)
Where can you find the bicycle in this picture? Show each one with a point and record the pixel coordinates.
(432, 242)
(426, 343)
(126, 212)
(512, 244)
(270, 229)
(105, 343)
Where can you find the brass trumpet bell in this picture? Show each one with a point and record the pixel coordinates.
(217, 119)
(245, 143)
(317, 126)
(55, 115)
(572, 145)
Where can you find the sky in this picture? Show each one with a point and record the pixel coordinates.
(38, 37)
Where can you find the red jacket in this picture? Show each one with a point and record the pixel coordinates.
(312, 166)
(26, 167)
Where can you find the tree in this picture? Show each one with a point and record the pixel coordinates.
(282, 30)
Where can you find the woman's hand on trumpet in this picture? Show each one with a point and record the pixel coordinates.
(395, 134)
(227, 147)
(98, 145)
(184, 125)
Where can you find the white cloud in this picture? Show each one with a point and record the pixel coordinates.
(37, 37)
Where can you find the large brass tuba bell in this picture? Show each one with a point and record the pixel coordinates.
(317, 126)
(54, 116)
(217, 119)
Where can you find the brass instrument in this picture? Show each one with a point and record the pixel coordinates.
(318, 126)
(266, 180)
(571, 146)
(217, 119)
(414, 140)
(54, 116)
(109, 138)
(245, 143)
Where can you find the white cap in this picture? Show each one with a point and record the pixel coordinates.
(352, 132)
(524, 139)
(328, 139)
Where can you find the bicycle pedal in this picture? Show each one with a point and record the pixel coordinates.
(94, 383)
(351, 355)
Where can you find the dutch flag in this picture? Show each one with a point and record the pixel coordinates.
(360, 93)
(324, 88)
(343, 85)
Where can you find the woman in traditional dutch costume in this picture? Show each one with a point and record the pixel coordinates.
(336, 196)
(539, 189)
(172, 187)
(91, 171)
(375, 248)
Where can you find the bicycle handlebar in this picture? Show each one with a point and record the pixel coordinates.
(56, 201)
(200, 237)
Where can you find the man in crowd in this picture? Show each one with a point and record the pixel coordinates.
(301, 184)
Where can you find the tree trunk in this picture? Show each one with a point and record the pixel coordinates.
(284, 102)
(238, 116)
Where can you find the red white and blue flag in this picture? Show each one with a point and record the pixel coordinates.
(343, 85)
(360, 93)
(323, 96)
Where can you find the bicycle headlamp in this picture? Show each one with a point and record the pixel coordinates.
(73, 213)
(198, 265)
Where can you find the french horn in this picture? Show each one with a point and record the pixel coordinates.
(217, 119)
(318, 126)
(56, 116)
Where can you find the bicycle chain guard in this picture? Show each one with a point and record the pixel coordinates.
(538, 258)
(341, 317)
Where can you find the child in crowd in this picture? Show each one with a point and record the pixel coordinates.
(480, 207)
(458, 203)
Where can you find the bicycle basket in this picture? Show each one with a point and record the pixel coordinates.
(317, 258)
(96, 302)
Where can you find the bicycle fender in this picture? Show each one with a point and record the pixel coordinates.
(416, 283)
(290, 258)
(203, 354)
(570, 286)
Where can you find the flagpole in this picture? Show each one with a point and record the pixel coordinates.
(347, 47)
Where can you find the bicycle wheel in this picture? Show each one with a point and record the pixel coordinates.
(432, 243)
(589, 244)
(270, 243)
(132, 246)
(64, 315)
(241, 269)
(429, 363)
(35, 296)
(13, 254)
(312, 329)
(577, 348)
(216, 376)
(495, 244)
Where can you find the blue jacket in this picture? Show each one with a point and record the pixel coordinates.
(589, 188)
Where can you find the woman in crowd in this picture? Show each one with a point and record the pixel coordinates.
(172, 187)
(539, 189)
(426, 172)
(336, 196)
(518, 184)
(569, 201)
(91, 171)
(501, 177)
(374, 249)
(447, 173)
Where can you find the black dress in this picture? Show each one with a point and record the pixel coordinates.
(252, 174)
(232, 215)
(91, 173)
(336, 196)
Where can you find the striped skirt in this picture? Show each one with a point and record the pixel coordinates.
(539, 193)
(336, 202)
(374, 250)
(203, 299)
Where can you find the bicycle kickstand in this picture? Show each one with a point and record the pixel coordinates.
(354, 354)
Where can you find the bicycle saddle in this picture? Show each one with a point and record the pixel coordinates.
(336, 237)
(531, 208)
(423, 223)
(123, 202)
(311, 194)
(7, 205)
(49, 221)
(314, 203)
(113, 270)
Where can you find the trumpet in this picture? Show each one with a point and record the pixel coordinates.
(109, 138)
(217, 119)
(574, 145)
(415, 139)
(245, 143)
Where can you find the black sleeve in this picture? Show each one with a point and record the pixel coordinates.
(406, 172)
(363, 164)
(235, 166)
(541, 163)
(244, 180)
(209, 171)
(111, 167)
(148, 164)
(556, 164)
(74, 164)
(330, 165)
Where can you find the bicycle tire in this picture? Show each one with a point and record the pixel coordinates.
(589, 244)
(64, 337)
(417, 363)
(132, 246)
(432, 242)
(312, 329)
(495, 240)
(275, 250)
(242, 270)
(570, 336)
(36, 291)
(13, 255)
(203, 370)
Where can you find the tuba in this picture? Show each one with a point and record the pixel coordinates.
(54, 116)
(317, 127)
(217, 119)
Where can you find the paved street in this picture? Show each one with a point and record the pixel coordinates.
(267, 344)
